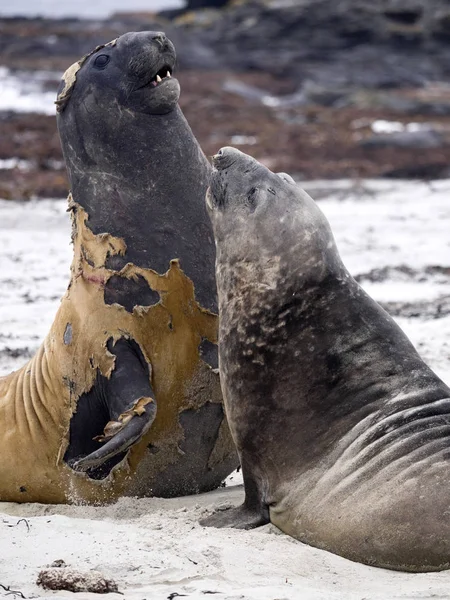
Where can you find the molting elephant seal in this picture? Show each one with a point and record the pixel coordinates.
(123, 396)
(342, 430)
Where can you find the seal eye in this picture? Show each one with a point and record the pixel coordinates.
(101, 61)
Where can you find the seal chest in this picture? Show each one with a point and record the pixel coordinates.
(342, 430)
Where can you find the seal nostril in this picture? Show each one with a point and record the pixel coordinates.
(217, 157)
(160, 38)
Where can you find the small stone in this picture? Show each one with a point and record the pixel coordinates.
(58, 563)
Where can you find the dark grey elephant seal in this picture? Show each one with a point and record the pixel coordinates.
(342, 430)
(123, 396)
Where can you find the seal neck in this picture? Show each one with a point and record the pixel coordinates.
(145, 183)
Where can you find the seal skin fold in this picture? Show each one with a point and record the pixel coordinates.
(342, 430)
(123, 397)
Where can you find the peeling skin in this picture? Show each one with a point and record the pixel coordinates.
(37, 401)
(70, 77)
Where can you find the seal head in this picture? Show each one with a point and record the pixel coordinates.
(255, 212)
(136, 68)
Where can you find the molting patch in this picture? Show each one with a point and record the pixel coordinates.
(209, 353)
(68, 334)
(81, 377)
(123, 291)
(69, 78)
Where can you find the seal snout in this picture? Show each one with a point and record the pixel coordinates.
(225, 157)
(152, 59)
(162, 58)
(160, 38)
(165, 72)
(233, 170)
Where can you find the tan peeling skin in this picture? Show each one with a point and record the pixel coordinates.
(69, 79)
(70, 75)
(38, 401)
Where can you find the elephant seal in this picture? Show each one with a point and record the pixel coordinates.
(123, 396)
(342, 430)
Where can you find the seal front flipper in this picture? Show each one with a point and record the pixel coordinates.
(121, 442)
(254, 512)
(121, 407)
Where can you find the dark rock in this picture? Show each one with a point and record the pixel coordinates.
(440, 28)
(196, 4)
(408, 16)
(439, 106)
(426, 171)
(284, 81)
(435, 309)
(378, 275)
(332, 43)
(350, 42)
(405, 139)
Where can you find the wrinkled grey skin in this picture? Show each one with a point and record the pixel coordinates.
(342, 430)
(136, 168)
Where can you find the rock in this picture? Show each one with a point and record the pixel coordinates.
(58, 563)
(427, 171)
(405, 139)
(435, 309)
(345, 43)
(416, 106)
(286, 80)
(196, 4)
(72, 580)
(440, 27)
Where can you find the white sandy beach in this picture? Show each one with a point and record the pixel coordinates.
(154, 548)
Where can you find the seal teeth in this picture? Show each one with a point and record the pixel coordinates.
(158, 78)
(168, 74)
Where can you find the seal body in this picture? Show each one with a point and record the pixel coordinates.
(342, 430)
(124, 397)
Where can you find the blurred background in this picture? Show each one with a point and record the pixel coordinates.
(351, 97)
(318, 88)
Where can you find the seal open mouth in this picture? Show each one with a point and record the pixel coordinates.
(161, 75)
